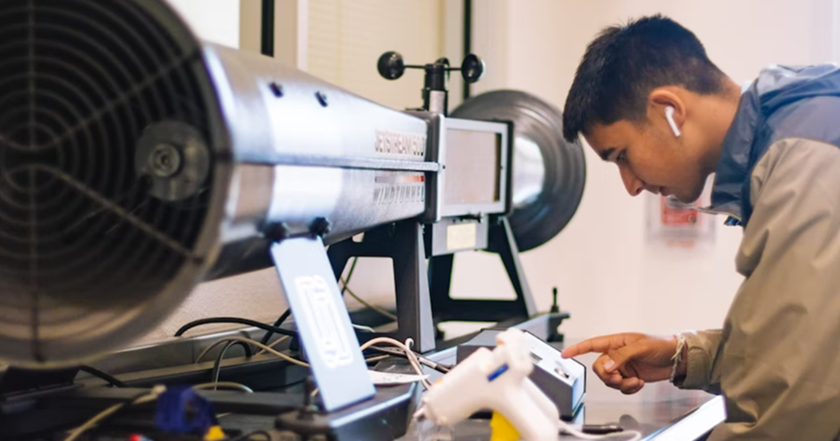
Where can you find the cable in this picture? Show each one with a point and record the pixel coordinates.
(244, 345)
(113, 381)
(241, 321)
(277, 324)
(217, 366)
(224, 385)
(265, 348)
(442, 368)
(145, 397)
(377, 358)
(350, 273)
(271, 350)
(345, 288)
(274, 343)
(412, 359)
(369, 305)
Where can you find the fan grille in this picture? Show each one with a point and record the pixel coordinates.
(84, 242)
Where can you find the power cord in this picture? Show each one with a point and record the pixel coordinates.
(261, 346)
(273, 344)
(277, 324)
(237, 320)
(145, 397)
(373, 307)
(217, 366)
(406, 348)
(270, 349)
(245, 347)
(442, 368)
(113, 381)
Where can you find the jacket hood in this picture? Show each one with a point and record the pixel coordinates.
(775, 87)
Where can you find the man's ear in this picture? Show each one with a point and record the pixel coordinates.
(662, 98)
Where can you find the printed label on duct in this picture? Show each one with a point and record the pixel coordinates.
(399, 188)
(395, 143)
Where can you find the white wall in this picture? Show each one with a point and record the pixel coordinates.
(346, 38)
(212, 20)
(608, 276)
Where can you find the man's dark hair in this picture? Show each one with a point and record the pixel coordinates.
(625, 63)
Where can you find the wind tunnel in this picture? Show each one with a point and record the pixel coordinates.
(137, 161)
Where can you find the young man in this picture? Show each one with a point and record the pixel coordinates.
(647, 98)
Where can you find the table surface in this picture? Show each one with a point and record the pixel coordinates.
(656, 407)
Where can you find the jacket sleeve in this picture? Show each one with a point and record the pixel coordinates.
(701, 351)
(778, 355)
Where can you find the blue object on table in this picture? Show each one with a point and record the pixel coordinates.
(181, 410)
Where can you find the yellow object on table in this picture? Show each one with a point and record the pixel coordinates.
(214, 433)
(502, 430)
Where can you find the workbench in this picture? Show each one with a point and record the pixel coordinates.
(660, 411)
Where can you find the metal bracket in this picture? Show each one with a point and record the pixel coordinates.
(323, 323)
(445, 308)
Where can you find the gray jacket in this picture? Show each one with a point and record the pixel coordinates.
(777, 358)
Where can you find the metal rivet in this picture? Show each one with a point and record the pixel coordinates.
(276, 89)
(322, 98)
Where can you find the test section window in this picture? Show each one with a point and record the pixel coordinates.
(473, 156)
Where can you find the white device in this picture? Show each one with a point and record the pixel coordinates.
(496, 380)
(669, 115)
(562, 380)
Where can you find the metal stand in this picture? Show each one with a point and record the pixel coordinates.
(423, 295)
(500, 241)
(403, 243)
(445, 308)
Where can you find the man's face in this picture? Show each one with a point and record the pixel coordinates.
(649, 157)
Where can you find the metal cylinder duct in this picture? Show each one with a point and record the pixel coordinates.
(133, 158)
(549, 173)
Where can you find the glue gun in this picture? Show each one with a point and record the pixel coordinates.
(498, 381)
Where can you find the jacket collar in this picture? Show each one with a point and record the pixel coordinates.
(775, 87)
(734, 160)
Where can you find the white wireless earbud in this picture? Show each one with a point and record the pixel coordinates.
(669, 115)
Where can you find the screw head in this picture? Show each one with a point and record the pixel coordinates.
(276, 231)
(320, 226)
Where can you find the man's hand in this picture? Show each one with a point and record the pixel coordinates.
(629, 360)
